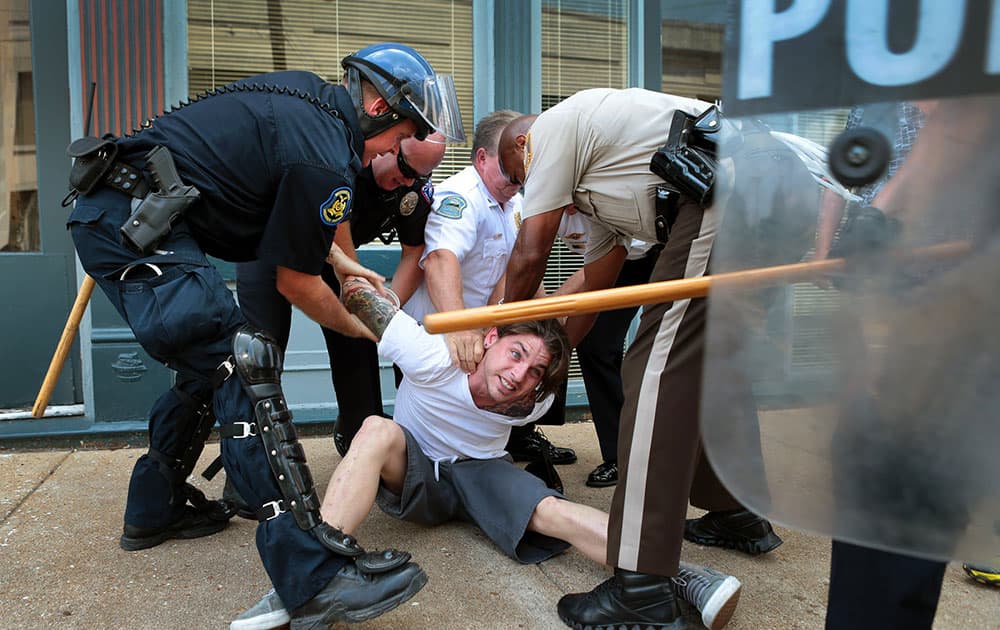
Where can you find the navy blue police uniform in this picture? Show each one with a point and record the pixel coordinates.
(377, 214)
(274, 158)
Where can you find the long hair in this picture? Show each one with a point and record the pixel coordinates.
(556, 342)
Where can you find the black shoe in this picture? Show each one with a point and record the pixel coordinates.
(231, 495)
(341, 441)
(741, 530)
(604, 475)
(529, 448)
(628, 599)
(353, 596)
(194, 524)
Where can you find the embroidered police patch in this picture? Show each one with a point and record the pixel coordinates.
(336, 207)
(428, 192)
(408, 203)
(451, 207)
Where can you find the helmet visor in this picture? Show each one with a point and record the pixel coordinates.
(439, 108)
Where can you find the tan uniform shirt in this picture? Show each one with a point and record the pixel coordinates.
(593, 150)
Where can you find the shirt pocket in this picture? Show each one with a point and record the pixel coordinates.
(495, 254)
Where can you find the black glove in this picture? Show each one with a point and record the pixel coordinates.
(867, 230)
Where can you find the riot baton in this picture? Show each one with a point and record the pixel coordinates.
(62, 350)
(657, 292)
(75, 314)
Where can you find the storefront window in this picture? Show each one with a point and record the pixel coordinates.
(232, 39)
(18, 173)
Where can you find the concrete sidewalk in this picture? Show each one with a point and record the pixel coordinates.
(60, 565)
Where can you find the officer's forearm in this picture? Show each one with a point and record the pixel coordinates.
(525, 271)
(313, 297)
(443, 276)
(408, 275)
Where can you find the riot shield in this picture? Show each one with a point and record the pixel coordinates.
(864, 404)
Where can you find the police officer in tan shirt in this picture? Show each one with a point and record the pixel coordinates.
(593, 151)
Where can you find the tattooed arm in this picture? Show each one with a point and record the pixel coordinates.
(364, 302)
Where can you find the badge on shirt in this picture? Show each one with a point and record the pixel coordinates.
(517, 219)
(527, 154)
(428, 192)
(336, 207)
(407, 204)
(451, 207)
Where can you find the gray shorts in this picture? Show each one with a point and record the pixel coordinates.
(494, 494)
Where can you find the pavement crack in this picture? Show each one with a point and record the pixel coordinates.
(17, 506)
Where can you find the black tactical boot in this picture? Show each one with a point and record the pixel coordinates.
(352, 596)
(193, 524)
(626, 600)
(741, 530)
(530, 447)
(236, 502)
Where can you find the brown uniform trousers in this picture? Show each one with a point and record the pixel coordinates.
(660, 457)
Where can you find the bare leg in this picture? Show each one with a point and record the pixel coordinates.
(582, 526)
(377, 453)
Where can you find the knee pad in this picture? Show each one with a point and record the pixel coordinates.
(258, 359)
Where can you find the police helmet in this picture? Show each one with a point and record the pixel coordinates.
(411, 88)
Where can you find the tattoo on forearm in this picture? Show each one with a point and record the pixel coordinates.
(361, 299)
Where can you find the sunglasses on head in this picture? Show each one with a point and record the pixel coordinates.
(405, 169)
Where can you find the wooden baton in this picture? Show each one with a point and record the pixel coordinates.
(656, 292)
(62, 350)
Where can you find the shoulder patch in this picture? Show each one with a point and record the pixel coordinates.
(428, 192)
(451, 207)
(336, 207)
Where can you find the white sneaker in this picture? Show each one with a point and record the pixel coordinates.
(268, 613)
(714, 594)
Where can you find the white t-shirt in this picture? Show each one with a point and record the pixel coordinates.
(434, 402)
(467, 221)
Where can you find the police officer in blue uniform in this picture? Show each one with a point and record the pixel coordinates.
(400, 212)
(263, 168)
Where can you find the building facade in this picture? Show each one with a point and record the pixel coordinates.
(112, 64)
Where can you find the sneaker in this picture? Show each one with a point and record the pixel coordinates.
(268, 613)
(714, 594)
(603, 476)
(741, 530)
(193, 524)
(627, 599)
(983, 574)
(352, 596)
(530, 448)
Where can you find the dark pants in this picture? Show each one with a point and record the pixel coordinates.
(353, 361)
(880, 589)
(186, 317)
(600, 356)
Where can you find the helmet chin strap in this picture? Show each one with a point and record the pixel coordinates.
(371, 126)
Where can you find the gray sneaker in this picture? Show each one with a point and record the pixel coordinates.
(714, 594)
(268, 613)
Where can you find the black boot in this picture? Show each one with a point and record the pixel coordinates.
(741, 530)
(352, 596)
(529, 446)
(193, 524)
(628, 599)
(239, 506)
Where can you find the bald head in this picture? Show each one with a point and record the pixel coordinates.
(417, 158)
(423, 156)
(511, 147)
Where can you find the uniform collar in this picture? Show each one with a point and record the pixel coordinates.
(342, 101)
